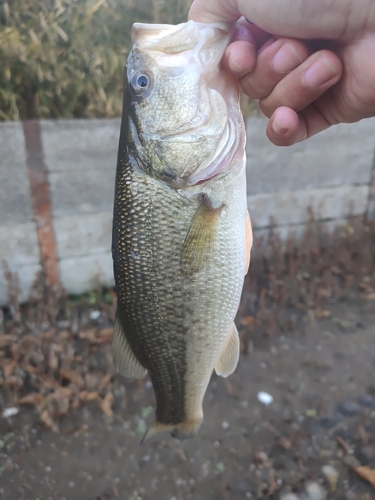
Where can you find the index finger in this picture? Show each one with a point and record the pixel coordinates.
(207, 11)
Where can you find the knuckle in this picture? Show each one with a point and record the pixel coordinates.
(254, 88)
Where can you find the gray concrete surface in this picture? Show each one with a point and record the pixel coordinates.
(340, 156)
(18, 240)
(84, 241)
(81, 156)
(329, 174)
(293, 207)
(15, 202)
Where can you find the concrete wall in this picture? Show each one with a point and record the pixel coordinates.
(330, 173)
(18, 239)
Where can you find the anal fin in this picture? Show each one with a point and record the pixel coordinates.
(228, 360)
(123, 357)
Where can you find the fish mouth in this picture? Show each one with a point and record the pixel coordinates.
(201, 47)
(176, 39)
(175, 137)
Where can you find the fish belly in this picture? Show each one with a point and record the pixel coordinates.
(217, 293)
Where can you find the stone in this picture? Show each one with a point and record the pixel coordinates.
(315, 491)
(348, 408)
(289, 496)
(367, 401)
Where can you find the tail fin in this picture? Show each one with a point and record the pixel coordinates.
(183, 430)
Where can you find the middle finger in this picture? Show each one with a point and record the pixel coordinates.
(272, 65)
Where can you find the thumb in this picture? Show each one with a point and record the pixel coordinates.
(303, 19)
(212, 11)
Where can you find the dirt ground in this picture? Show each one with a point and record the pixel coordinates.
(322, 379)
(307, 330)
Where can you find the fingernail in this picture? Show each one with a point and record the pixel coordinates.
(286, 59)
(319, 73)
(278, 129)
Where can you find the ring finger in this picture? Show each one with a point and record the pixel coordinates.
(305, 84)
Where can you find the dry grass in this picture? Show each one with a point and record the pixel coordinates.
(65, 58)
(303, 276)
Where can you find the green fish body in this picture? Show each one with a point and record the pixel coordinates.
(181, 231)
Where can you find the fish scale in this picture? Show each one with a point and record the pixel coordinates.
(147, 283)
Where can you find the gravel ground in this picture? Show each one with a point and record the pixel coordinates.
(308, 444)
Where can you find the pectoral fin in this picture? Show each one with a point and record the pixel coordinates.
(229, 357)
(125, 361)
(248, 241)
(200, 240)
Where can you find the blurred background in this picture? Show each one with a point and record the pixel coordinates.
(296, 420)
(65, 59)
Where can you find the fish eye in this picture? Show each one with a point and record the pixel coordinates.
(140, 82)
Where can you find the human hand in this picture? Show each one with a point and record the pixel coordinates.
(310, 64)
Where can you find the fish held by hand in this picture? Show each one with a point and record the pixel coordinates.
(181, 230)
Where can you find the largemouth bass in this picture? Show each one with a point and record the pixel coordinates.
(181, 231)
